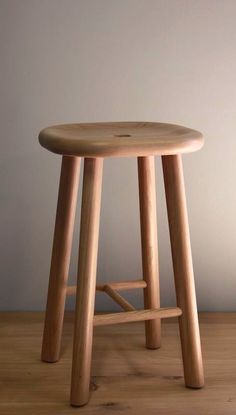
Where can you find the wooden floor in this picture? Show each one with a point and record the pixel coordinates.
(126, 378)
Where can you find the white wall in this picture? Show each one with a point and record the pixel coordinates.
(104, 60)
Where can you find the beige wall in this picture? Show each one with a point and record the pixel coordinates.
(153, 60)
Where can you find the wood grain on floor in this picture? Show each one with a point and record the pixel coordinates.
(126, 377)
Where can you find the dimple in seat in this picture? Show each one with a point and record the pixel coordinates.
(120, 139)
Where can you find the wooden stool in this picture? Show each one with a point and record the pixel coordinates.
(95, 142)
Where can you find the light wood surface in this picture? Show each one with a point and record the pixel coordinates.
(148, 222)
(126, 378)
(66, 206)
(87, 270)
(124, 285)
(118, 298)
(116, 285)
(120, 139)
(93, 142)
(136, 315)
(183, 270)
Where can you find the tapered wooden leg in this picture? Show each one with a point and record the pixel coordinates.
(60, 261)
(87, 267)
(183, 270)
(148, 221)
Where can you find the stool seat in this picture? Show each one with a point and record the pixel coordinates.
(114, 139)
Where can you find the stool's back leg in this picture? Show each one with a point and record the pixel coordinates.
(87, 267)
(60, 261)
(183, 270)
(148, 222)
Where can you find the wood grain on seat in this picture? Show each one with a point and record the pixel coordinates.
(120, 139)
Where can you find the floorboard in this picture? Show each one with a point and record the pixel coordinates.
(126, 378)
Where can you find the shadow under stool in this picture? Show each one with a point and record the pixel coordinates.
(95, 142)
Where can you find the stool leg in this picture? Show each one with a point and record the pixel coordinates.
(63, 233)
(148, 222)
(183, 270)
(87, 267)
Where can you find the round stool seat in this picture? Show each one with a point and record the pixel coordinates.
(120, 139)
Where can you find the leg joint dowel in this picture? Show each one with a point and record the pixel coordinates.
(137, 315)
(118, 286)
(118, 298)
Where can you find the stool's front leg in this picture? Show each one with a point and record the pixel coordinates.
(87, 267)
(148, 222)
(63, 233)
(183, 270)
